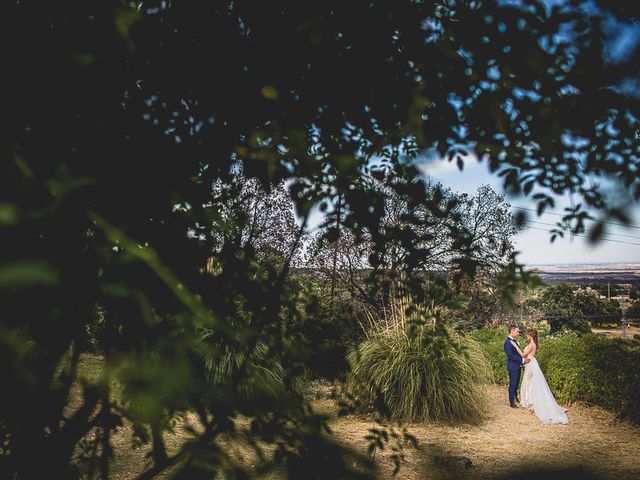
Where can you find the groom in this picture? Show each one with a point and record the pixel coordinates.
(514, 363)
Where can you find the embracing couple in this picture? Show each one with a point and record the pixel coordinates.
(534, 391)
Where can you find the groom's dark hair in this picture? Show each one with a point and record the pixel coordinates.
(512, 328)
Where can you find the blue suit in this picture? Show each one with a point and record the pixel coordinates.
(514, 364)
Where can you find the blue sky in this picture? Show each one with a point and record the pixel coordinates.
(534, 244)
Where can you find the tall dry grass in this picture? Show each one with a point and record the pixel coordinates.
(414, 368)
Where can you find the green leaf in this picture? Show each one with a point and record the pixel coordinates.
(596, 232)
(124, 20)
(84, 59)
(9, 214)
(269, 92)
(528, 187)
(116, 289)
(28, 273)
(23, 166)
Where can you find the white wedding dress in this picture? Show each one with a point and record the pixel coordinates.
(536, 395)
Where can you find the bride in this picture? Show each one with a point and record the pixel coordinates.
(534, 390)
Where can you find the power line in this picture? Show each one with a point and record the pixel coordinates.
(610, 315)
(592, 219)
(586, 236)
(556, 225)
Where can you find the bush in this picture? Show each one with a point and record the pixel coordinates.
(633, 311)
(593, 368)
(420, 373)
(491, 341)
(320, 327)
(326, 333)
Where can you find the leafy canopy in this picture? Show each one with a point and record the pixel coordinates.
(120, 111)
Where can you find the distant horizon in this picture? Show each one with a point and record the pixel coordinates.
(583, 263)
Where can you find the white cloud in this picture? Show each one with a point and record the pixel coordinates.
(431, 163)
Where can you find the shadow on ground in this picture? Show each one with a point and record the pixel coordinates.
(552, 474)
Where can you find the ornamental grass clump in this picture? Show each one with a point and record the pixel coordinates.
(413, 368)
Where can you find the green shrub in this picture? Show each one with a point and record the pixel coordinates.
(420, 374)
(567, 368)
(325, 334)
(246, 376)
(597, 369)
(491, 341)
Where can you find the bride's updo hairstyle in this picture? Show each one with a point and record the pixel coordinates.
(534, 334)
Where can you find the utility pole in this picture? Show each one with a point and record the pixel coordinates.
(624, 318)
(609, 290)
(335, 250)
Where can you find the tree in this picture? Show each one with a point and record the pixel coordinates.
(602, 311)
(122, 110)
(571, 310)
(559, 302)
(633, 311)
(249, 217)
(482, 220)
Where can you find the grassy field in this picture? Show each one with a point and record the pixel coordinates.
(508, 441)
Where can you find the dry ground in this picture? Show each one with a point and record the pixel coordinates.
(507, 441)
(630, 331)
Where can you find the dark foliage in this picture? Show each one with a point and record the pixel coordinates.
(122, 115)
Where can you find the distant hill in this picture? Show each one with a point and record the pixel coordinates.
(582, 273)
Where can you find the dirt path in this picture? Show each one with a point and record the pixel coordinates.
(511, 440)
(507, 441)
(629, 332)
